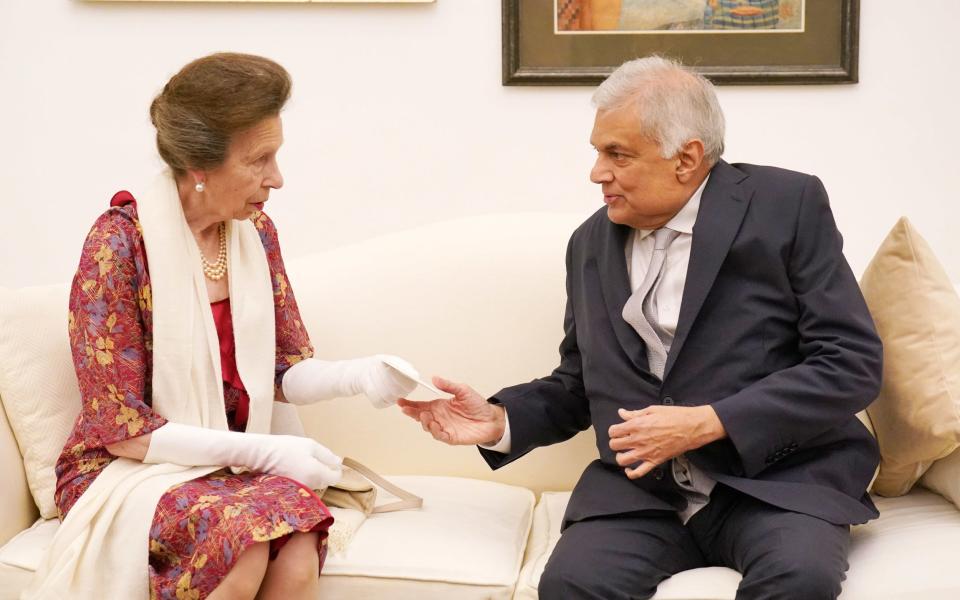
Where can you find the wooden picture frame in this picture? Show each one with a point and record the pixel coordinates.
(823, 50)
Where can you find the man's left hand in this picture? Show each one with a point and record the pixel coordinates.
(656, 434)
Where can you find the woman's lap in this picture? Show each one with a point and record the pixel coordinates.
(201, 527)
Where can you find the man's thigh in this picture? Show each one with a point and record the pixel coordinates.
(618, 557)
(781, 554)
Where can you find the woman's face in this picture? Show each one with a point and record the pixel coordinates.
(239, 187)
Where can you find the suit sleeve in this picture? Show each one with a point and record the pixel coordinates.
(550, 409)
(840, 372)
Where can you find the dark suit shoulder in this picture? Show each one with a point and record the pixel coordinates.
(597, 225)
(765, 177)
(775, 192)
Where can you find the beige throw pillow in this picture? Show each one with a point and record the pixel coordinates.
(37, 382)
(917, 312)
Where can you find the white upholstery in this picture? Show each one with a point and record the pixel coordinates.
(37, 381)
(12, 581)
(478, 300)
(25, 550)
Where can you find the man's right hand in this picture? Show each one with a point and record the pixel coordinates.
(465, 419)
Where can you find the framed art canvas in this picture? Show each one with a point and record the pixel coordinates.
(579, 42)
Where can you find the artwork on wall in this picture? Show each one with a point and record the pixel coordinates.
(579, 42)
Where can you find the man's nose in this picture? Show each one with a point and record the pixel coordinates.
(600, 173)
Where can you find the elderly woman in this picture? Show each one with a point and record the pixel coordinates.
(184, 330)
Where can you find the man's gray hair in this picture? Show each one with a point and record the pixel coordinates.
(675, 105)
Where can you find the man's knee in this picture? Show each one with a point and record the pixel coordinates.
(815, 580)
(811, 578)
(558, 583)
(568, 576)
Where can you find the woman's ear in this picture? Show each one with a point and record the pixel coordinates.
(197, 179)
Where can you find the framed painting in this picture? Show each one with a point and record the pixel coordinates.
(580, 42)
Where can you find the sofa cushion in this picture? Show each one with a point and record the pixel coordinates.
(916, 534)
(14, 581)
(917, 313)
(466, 543)
(944, 477)
(37, 382)
(909, 553)
(25, 550)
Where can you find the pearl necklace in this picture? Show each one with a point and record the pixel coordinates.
(217, 270)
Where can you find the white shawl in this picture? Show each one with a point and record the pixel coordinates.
(101, 548)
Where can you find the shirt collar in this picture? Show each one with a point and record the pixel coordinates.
(684, 220)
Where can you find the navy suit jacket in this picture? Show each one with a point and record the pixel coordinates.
(773, 332)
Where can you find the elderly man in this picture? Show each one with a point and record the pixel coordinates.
(718, 343)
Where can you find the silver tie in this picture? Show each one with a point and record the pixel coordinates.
(641, 308)
(641, 312)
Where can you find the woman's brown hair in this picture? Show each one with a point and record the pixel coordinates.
(209, 101)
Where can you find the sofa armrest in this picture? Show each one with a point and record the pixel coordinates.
(16, 503)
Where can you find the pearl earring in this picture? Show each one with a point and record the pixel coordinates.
(200, 187)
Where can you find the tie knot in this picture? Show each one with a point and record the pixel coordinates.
(663, 238)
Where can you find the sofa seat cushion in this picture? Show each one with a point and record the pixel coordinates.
(910, 552)
(467, 542)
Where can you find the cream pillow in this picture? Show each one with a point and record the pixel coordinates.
(37, 382)
(917, 312)
(944, 476)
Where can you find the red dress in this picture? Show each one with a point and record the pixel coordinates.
(202, 526)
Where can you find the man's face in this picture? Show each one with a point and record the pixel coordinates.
(640, 188)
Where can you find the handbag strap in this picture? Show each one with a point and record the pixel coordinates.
(406, 501)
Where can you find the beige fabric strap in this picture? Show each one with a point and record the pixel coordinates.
(407, 500)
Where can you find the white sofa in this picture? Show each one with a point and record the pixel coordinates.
(478, 300)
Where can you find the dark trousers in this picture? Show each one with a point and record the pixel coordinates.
(781, 554)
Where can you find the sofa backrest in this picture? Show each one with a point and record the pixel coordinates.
(477, 300)
(16, 505)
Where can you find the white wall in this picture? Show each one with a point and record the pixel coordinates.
(398, 119)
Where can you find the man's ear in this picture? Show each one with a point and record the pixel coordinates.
(689, 160)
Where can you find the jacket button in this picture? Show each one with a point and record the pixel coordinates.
(658, 474)
(667, 400)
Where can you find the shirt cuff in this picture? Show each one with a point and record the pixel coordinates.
(503, 446)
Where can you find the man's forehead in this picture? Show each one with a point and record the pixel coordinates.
(614, 124)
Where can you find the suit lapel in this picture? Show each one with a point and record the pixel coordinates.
(615, 286)
(722, 208)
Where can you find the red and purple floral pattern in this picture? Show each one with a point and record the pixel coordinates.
(200, 527)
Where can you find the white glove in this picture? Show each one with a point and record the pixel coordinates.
(313, 380)
(300, 458)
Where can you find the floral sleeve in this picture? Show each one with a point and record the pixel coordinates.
(293, 342)
(109, 300)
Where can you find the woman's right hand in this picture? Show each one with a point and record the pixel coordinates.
(300, 458)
